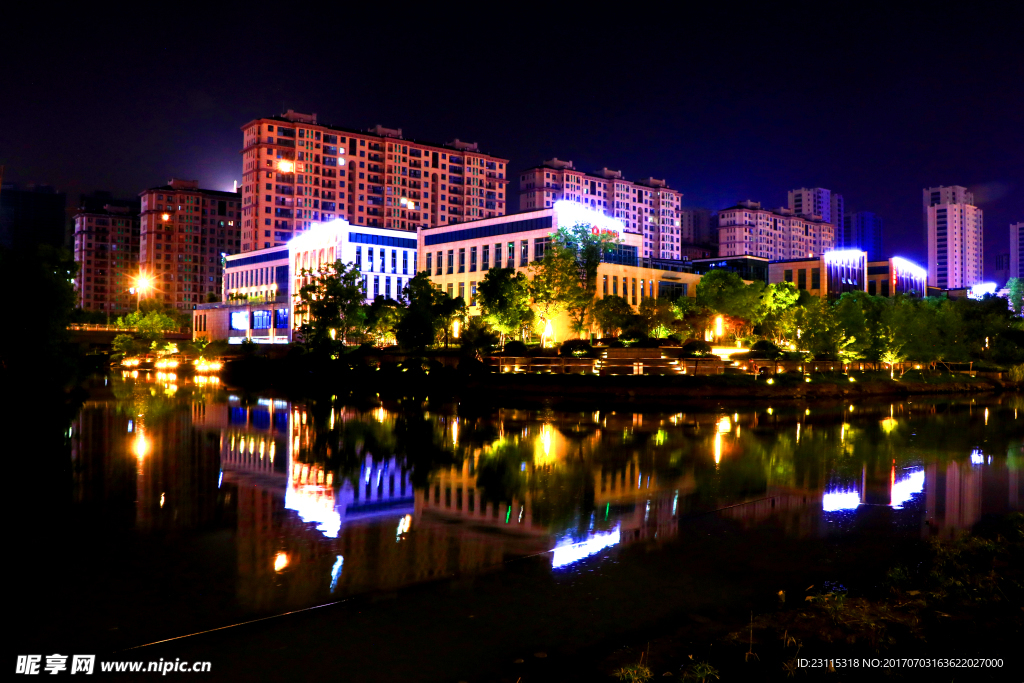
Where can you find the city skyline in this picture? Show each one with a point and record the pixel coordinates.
(719, 129)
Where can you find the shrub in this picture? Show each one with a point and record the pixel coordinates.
(696, 347)
(765, 349)
(1017, 373)
(580, 348)
(515, 348)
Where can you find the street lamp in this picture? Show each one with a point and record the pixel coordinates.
(142, 283)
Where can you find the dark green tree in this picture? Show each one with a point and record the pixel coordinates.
(612, 313)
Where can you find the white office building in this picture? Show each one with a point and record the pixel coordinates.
(955, 228)
(260, 287)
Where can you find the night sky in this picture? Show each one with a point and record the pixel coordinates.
(726, 103)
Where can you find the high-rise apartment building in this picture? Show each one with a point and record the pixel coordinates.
(747, 229)
(1016, 248)
(817, 201)
(698, 226)
(186, 232)
(863, 230)
(297, 172)
(646, 207)
(955, 228)
(1002, 269)
(106, 248)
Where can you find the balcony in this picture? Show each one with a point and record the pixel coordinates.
(454, 169)
(375, 189)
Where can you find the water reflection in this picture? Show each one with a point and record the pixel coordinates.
(324, 500)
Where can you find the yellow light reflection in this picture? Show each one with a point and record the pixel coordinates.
(724, 425)
(280, 561)
(140, 445)
(718, 448)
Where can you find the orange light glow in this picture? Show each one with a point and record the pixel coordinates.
(285, 166)
(280, 561)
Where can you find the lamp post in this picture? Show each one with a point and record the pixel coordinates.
(142, 282)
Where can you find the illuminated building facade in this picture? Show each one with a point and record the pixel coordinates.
(298, 172)
(458, 258)
(258, 296)
(1016, 248)
(747, 229)
(823, 204)
(186, 232)
(106, 249)
(828, 276)
(955, 229)
(645, 207)
(896, 276)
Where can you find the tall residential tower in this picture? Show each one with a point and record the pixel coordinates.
(862, 230)
(646, 207)
(955, 229)
(186, 232)
(1016, 248)
(817, 201)
(297, 172)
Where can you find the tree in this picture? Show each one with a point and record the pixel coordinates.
(149, 325)
(725, 292)
(1016, 287)
(126, 345)
(576, 253)
(555, 284)
(330, 306)
(612, 314)
(419, 326)
(657, 315)
(382, 320)
(505, 301)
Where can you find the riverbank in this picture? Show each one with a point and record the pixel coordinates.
(471, 380)
(946, 599)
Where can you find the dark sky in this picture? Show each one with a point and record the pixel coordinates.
(727, 103)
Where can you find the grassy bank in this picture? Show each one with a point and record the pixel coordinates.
(956, 598)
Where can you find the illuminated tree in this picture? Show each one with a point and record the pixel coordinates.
(505, 301)
(330, 306)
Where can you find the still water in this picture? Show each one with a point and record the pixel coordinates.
(194, 507)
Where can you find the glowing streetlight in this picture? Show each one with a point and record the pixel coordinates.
(285, 166)
(280, 561)
(142, 283)
(166, 216)
(718, 326)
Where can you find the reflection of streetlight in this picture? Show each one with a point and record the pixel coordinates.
(280, 561)
(285, 166)
(140, 445)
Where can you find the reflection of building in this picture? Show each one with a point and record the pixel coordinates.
(960, 493)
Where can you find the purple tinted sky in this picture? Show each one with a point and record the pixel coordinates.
(726, 104)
